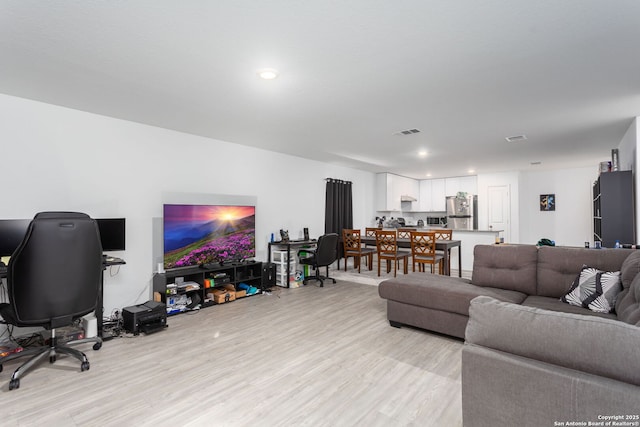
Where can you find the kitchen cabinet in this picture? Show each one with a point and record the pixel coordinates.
(391, 188)
(465, 184)
(432, 195)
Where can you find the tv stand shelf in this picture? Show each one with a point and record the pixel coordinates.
(249, 273)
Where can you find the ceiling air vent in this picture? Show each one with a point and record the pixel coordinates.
(407, 132)
(516, 138)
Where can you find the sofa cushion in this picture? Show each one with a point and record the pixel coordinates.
(630, 269)
(559, 266)
(554, 304)
(628, 303)
(591, 344)
(443, 293)
(594, 289)
(511, 267)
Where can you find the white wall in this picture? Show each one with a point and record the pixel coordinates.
(54, 158)
(571, 223)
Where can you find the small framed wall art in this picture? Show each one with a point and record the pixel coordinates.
(547, 202)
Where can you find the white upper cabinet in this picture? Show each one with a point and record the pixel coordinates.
(438, 195)
(432, 195)
(391, 189)
(465, 184)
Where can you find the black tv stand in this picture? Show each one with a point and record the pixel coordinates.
(222, 274)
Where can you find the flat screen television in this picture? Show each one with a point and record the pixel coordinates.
(204, 234)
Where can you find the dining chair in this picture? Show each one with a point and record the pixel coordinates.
(371, 232)
(423, 250)
(444, 235)
(405, 233)
(387, 248)
(353, 248)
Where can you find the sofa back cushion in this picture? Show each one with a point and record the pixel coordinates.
(510, 267)
(630, 269)
(558, 267)
(628, 302)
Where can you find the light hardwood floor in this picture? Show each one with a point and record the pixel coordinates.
(310, 356)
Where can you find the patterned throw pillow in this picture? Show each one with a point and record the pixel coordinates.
(594, 289)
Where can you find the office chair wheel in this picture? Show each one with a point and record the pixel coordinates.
(14, 384)
(52, 359)
(84, 366)
(97, 346)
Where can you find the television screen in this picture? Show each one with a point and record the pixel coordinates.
(201, 234)
(112, 233)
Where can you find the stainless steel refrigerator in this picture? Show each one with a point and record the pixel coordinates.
(462, 212)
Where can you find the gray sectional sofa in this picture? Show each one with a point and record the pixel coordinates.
(529, 358)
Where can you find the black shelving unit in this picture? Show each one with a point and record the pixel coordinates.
(613, 209)
(249, 273)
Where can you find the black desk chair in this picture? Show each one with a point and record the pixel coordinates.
(324, 255)
(53, 279)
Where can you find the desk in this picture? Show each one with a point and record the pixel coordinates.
(289, 245)
(441, 245)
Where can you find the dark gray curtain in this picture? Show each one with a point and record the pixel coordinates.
(338, 207)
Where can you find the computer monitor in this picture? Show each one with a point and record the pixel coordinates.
(12, 233)
(112, 233)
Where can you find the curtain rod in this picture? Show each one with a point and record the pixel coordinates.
(337, 180)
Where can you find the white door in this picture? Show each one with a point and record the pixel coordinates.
(500, 210)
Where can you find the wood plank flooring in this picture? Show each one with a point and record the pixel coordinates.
(298, 357)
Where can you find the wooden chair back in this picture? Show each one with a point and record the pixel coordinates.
(386, 243)
(371, 231)
(405, 233)
(443, 234)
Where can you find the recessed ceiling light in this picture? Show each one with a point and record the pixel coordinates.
(428, 175)
(268, 73)
(471, 171)
(422, 153)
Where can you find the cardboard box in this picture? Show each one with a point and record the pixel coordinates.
(238, 293)
(221, 295)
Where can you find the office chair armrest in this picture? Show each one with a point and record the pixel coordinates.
(310, 252)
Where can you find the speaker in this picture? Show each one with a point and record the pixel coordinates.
(268, 275)
(306, 233)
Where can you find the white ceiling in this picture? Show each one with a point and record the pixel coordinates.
(467, 73)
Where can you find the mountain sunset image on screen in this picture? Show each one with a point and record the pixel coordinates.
(202, 234)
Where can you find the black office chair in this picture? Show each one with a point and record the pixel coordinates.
(325, 254)
(53, 279)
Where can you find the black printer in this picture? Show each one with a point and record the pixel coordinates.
(148, 317)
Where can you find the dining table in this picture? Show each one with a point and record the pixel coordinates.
(441, 245)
